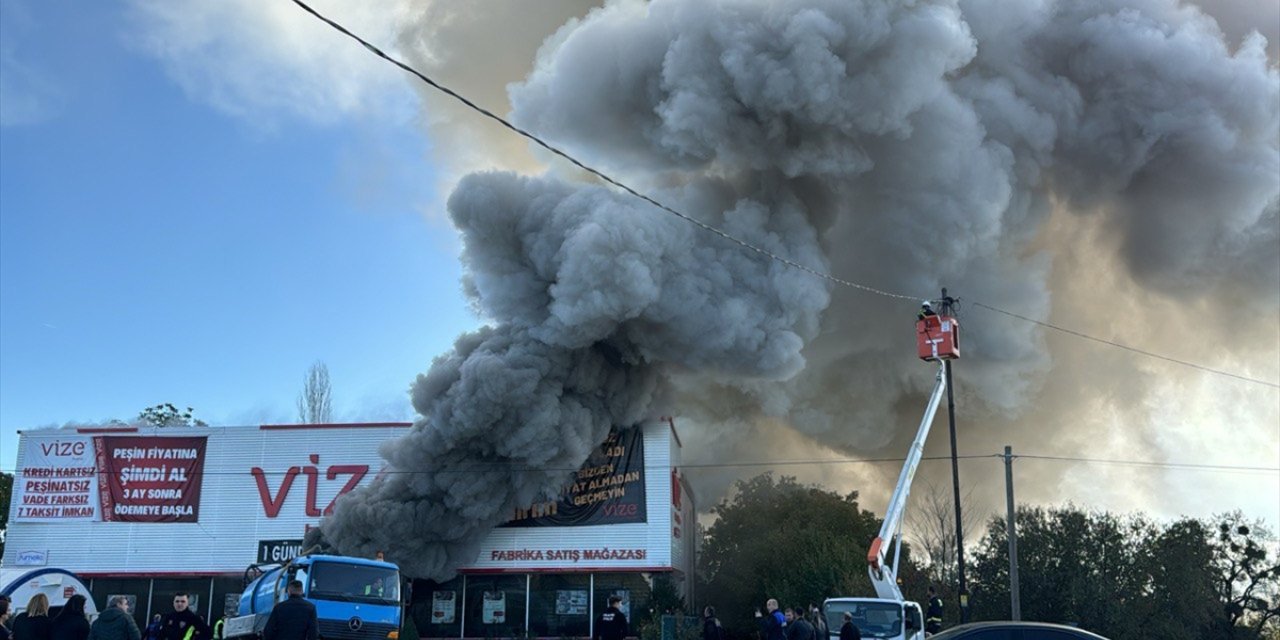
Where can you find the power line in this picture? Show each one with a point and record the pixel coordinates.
(479, 466)
(1153, 463)
(1127, 347)
(593, 171)
(716, 230)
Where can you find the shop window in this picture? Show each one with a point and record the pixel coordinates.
(436, 608)
(495, 606)
(560, 605)
(226, 596)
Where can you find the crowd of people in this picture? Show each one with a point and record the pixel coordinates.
(114, 623)
(794, 623)
(295, 619)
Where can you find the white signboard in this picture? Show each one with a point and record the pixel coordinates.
(571, 602)
(32, 559)
(444, 606)
(495, 607)
(57, 482)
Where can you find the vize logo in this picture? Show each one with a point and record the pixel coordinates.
(621, 509)
(60, 448)
(272, 504)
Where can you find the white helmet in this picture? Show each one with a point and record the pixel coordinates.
(926, 303)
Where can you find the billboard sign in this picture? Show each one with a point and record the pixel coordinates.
(57, 481)
(608, 489)
(150, 478)
(110, 479)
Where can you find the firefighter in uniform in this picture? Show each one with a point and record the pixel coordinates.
(926, 309)
(183, 623)
(933, 621)
(612, 623)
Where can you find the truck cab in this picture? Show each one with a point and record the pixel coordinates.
(355, 598)
(875, 618)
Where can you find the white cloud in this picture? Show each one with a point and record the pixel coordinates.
(27, 96)
(263, 61)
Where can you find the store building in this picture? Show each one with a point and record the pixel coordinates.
(148, 512)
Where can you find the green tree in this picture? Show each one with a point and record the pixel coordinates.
(1247, 577)
(1075, 567)
(167, 415)
(6, 500)
(1127, 577)
(780, 539)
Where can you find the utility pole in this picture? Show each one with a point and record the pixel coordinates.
(1012, 530)
(947, 302)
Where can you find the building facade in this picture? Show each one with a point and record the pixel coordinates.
(147, 512)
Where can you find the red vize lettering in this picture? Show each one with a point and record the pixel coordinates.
(357, 472)
(269, 504)
(272, 504)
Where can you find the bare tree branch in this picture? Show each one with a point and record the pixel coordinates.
(315, 401)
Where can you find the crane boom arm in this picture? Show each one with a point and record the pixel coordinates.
(884, 577)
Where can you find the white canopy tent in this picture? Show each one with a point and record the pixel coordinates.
(21, 583)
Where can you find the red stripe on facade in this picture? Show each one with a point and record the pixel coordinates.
(346, 425)
(671, 422)
(569, 569)
(238, 574)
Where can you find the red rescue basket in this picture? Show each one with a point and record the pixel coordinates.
(938, 338)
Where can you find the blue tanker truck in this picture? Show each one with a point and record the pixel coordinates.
(355, 598)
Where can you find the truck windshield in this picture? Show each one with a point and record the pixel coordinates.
(873, 619)
(354, 582)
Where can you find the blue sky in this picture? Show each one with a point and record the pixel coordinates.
(154, 248)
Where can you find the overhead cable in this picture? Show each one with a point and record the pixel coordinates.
(477, 466)
(716, 230)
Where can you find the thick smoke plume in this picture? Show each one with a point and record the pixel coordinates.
(905, 145)
(590, 296)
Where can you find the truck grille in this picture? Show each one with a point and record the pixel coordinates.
(334, 630)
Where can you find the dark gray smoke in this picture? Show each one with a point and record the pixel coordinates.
(904, 145)
(591, 297)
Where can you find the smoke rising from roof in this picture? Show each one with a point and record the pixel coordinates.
(905, 146)
(591, 298)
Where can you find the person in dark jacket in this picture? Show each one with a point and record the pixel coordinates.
(34, 623)
(797, 627)
(153, 629)
(293, 619)
(612, 623)
(711, 629)
(71, 623)
(933, 620)
(183, 623)
(5, 634)
(820, 630)
(115, 623)
(772, 623)
(848, 631)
